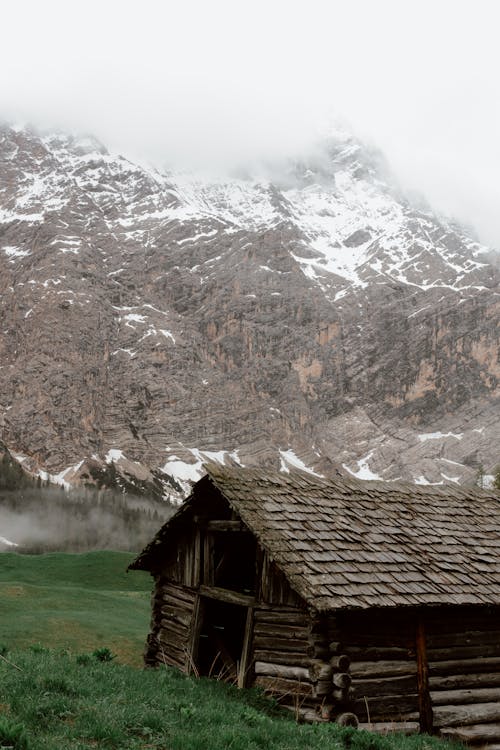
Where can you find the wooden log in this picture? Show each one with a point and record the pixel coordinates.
(282, 670)
(293, 658)
(382, 668)
(322, 688)
(282, 630)
(245, 664)
(462, 697)
(340, 663)
(176, 615)
(384, 686)
(282, 644)
(464, 666)
(424, 700)
(390, 727)
(180, 592)
(347, 719)
(168, 641)
(226, 595)
(342, 680)
(283, 686)
(172, 601)
(386, 707)
(320, 670)
(376, 653)
(473, 733)
(468, 638)
(179, 631)
(449, 682)
(281, 615)
(464, 652)
(453, 716)
(215, 524)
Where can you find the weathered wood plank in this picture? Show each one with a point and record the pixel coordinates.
(424, 700)
(464, 696)
(467, 638)
(449, 682)
(273, 615)
(390, 727)
(378, 653)
(216, 524)
(464, 666)
(175, 614)
(245, 663)
(294, 658)
(463, 652)
(383, 668)
(473, 733)
(282, 644)
(385, 686)
(281, 630)
(387, 707)
(452, 716)
(282, 670)
(226, 595)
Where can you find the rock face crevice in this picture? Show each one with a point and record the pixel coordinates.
(320, 318)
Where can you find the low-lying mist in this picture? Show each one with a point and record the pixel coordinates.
(43, 519)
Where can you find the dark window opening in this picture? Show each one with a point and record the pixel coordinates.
(221, 640)
(234, 561)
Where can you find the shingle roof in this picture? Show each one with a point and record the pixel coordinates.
(349, 543)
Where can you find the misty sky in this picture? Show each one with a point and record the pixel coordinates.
(223, 82)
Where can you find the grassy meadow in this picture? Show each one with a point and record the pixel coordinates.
(62, 618)
(75, 601)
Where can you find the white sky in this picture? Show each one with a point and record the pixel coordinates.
(226, 82)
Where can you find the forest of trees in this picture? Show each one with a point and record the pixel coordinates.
(42, 517)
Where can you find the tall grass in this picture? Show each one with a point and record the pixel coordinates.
(61, 702)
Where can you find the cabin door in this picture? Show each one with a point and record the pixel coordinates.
(223, 643)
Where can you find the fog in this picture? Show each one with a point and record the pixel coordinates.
(49, 519)
(225, 84)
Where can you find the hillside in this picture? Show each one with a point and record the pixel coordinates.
(313, 316)
(54, 702)
(74, 601)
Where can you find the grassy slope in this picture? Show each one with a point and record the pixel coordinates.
(62, 704)
(75, 601)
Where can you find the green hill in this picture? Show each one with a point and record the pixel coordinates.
(51, 701)
(75, 601)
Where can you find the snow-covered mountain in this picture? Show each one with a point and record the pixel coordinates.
(313, 317)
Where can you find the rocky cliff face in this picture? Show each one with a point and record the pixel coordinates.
(317, 318)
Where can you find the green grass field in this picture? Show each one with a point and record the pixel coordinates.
(75, 601)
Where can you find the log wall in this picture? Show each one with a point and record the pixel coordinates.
(382, 651)
(173, 624)
(297, 663)
(457, 686)
(464, 675)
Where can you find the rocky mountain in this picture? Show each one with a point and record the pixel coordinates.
(313, 317)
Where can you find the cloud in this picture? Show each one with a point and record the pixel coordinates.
(231, 82)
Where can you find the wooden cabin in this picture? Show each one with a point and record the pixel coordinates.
(346, 600)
